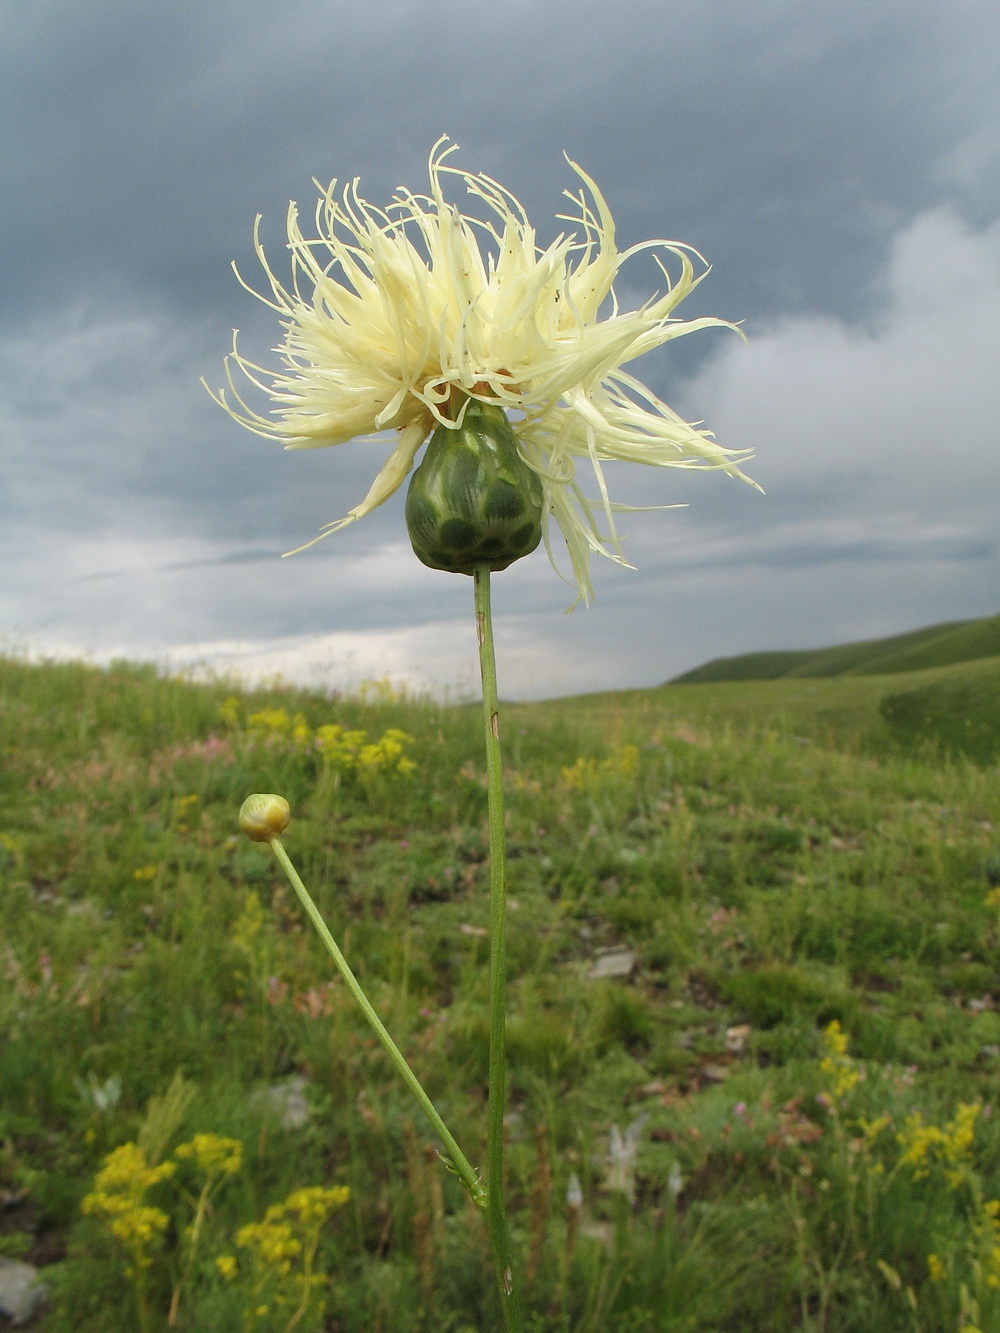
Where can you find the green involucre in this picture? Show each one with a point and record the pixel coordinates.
(473, 500)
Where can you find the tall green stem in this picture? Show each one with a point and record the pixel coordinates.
(495, 1214)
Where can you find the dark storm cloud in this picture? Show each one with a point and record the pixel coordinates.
(837, 164)
(786, 141)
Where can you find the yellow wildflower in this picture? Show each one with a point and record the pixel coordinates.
(136, 1226)
(119, 1190)
(226, 1264)
(936, 1271)
(269, 722)
(301, 731)
(926, 1145)
(841, 1071)
(213, 1154)
(272, 1241)
(314, 1203)
(126, 1168)
(586, 774)
(988, 1229)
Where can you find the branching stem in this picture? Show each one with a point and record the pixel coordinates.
(458, 1161)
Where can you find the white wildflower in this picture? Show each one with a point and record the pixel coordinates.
(574, 1192)
(395, 318)
(675, 1180)
(623, 1150)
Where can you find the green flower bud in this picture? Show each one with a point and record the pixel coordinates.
(264, 816)
(473, 500)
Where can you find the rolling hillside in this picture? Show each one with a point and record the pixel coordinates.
(934, 646)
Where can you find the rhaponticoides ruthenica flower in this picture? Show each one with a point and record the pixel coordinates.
(427, 322)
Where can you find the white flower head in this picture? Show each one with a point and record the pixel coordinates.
(395, 318)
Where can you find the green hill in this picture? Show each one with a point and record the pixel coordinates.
(934, 646)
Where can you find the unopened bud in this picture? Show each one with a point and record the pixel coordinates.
(473, 500)
(264, 816)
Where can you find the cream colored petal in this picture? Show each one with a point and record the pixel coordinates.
(394, 472)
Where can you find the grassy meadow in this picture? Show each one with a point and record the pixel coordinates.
(754, 1037)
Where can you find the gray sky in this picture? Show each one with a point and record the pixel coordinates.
(837, 162)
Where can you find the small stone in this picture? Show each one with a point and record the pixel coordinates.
(714, 1073)
(737, 1038)
(21, 1294)
(613, 963)
(655, 1089)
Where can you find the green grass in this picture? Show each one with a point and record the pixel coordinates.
(918, 650)
(777, 855)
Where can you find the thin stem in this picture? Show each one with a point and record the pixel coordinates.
(495, 1215)
(199, 1217)
(459, 1162)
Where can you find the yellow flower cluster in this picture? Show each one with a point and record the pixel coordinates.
(213, 1154)
(868, 1132)
(988, 1230)
(841, 1071)
(184, 808)
(348, 750)
(119, 1193)
(271, 1241)
(136, 1225)
(342, 749)
(287, 1227)
(226, 1265)
(276, 722)
(126, 1171)
(315, 1203)
(589, 775)
(925, 1146)
(286, 1239)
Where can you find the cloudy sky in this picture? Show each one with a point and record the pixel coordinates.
(838, 163)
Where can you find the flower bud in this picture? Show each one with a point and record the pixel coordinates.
(473, 500)
(264, 816)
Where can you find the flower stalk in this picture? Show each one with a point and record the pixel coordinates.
(496, 1216)
(456, 1160)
